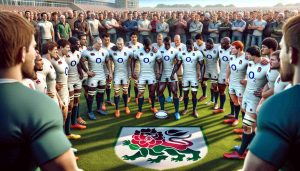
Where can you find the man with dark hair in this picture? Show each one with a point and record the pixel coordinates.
(256, 79)
(269, 45)
(189, 59)
(276, 144)
(46, 29)
(29, 129)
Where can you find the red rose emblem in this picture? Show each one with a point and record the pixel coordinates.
(240, 62)
(38, 81)
(259, 69)
(59, 62)
(147, 138)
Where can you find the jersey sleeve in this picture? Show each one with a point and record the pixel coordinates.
(200, 56)
(179, 56)
(84, 55)
(45, 127)
(271, 142)
(158, 55)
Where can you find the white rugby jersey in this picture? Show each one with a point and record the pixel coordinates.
(159, 48)
(224, 56)
(147, 61)
(120, 60)
(108, 48)
(212, 59)
(40, 83)
(279, 85)
(180, 48)
(61, 68)
(96, 61)
(189, 62)
(256, 76)
(49, 75)
(238, 68)
(272, 75)
(168, 58)
(135, 47)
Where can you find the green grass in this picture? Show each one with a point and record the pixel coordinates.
(96, 148)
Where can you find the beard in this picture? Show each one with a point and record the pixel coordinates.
(27, 72)
(286, 71)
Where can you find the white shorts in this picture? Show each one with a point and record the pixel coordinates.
(222, 79)
(166, 79)
(211, 75)
(74, 86)
(180, 73)
(121, 80)
(250, 103)
(186, 82)
(237, 90)
(64, 95)
(94, 82)
(147, 80)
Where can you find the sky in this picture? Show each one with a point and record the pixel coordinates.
(241, 3)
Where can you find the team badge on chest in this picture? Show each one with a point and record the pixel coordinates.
(125, 54)
(258, 69)
(92, 54)
(240, 62)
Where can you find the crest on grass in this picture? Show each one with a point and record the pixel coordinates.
(161, 147)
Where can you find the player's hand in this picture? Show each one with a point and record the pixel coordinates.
(227, 82)
(243, 82)
(158, 76)
(110, 77)
(154, 49)
(91, 74)
(172, 77)
(258, 93)
(59, 86)
(264, 61)
(80, 76)
(134, 76)
(50, 95)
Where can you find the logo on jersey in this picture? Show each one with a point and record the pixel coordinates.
(141, 54)
(59, 62)
(250, 65)
(225, 58)
(193, 54)
(92, 54)
(258, 69)
(129, 47)
(115, 54)
(77, 55)
(125, 54)
(138, 47)
(183, 53)
(171, 52)
(209, 57)
(215, 51)
(162, 52)
(120, 60)
(179, 49)
(102, 54)
(68, 56)
(151, 54)
(166, 58)
(38, 81)
(221, 51)
(240, 62)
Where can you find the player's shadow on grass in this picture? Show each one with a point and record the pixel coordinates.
(218, 165)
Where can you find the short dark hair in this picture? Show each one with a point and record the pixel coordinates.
(105, 35)
(43, 14)
(73, 40)
(254, 51)
(198, 36)
(54, 13)
(210, 40)
(277, 54)
(271, 43)
(51, 45)
(134, 33)
(167, 39)
(63, 43)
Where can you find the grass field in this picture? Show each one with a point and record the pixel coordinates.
(96, 148)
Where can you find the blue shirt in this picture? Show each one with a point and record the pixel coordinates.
(238, 24)
(130, 26)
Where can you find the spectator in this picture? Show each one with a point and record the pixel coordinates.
(258, 27)
(162, 27)
(238, 27)
(130, 26)
(45, 29)
(195, 27)
(205, 23)
(144, 27)
(71, 20)
(111, 25)
(213, 29)
(95, 26)
(180, 26)
(276, 27)
(171, 23)
(63, 29)
(153, 28)
(225, 28)
(55, 21)
(249, 29)
(81, 26)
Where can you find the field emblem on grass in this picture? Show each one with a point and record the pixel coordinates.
(161, 147)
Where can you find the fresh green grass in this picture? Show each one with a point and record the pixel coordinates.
(96, 148)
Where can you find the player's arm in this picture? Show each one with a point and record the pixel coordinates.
(254, 163)
(267, 91)
(176, 67)
(79, 69)
(159, 69)
(133, 61)
(66, 161)
(108, 63)
(228, 72)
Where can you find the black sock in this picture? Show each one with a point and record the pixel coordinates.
(108, 90)
(125, 98)
(231, 107)
(74, 115)
(136, 91)
(186, 102)
(247, 138)
(237, 111)
(78, 115)
(140, 104)
(243, 115)
(152, 98)
(169, 91)
(204, 90)
(194, 100)
(129, 88)
(180, 89)
(176, 104)
(68, 124)
(162, 102)
(90, 104)
(222, 100)
(216, 95)
(100, 99)
(117, 100)
(211, 95)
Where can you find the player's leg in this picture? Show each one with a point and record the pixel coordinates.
(108, 93)
(203, 87)
(214, 85)
(92, 83)
(235, 101)
(174, 89)
(136, 90)
(180, 86)
(100, 97)
(117, 98)
(67, 125)
(221, 88)
(194, 90)
(125, 97)
(161, 96)
(141, 87)
(186, 86)
(74, 115)
(170, 98)
(152, 90)
(237, 106)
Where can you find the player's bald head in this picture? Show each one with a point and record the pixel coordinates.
(97, 40)
(120, 40)
(225, 43)
(177, 37)
(225, 40)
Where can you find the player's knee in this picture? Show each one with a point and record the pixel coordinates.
(248, 124)
(100, 90)
(194, 90)
(125, 90)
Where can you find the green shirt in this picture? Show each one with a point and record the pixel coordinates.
(31, 127)
(277, 140)
(64, 30)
